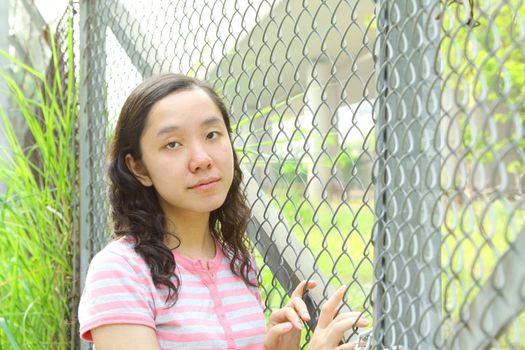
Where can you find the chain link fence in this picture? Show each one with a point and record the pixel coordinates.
(381, 142)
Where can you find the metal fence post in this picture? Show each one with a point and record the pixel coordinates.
(93, 110)
(407, 305)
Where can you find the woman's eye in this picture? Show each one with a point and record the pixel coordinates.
(212, 135)
(172, 145)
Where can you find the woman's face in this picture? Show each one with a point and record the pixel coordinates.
(186, 154)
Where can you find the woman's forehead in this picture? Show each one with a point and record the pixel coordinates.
(182, 109)
(186, 99)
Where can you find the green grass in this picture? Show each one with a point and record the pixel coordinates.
(37, 211)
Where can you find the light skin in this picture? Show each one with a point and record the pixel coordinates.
(285, 325)
(187, 157)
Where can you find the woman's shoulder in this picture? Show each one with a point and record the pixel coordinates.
(118, 251)
(118, 264)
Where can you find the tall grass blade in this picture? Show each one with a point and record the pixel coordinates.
(10, 337)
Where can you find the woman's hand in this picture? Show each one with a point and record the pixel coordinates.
(332, 326)
(286, 324)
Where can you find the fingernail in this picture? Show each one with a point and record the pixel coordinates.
(305, 315)
(287, 326)
(299, 325)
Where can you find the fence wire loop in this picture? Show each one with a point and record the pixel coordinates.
(363, 340)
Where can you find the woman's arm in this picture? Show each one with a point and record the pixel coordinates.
(125, 337)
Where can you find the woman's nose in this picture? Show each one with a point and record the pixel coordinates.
(199, 158)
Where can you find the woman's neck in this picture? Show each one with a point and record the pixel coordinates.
(194, 234)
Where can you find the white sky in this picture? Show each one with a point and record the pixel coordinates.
(51, 10)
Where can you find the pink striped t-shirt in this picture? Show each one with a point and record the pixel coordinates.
(215, 309)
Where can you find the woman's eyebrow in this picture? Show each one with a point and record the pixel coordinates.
(211, 121)
(170, 128)
(167, 130)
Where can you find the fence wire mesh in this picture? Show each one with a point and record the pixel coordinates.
(382, 146)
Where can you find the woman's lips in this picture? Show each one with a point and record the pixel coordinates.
(206, 185)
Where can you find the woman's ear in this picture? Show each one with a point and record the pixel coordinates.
(138, 169)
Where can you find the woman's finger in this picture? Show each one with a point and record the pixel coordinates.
(346, 346)
(299, 290)
(329, 309)
(296, 302)
(275, 333)
(351, 314)
(299, 306)
(286, 314)
(293, 316)
(337, 329)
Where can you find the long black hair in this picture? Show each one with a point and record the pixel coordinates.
(136, 211)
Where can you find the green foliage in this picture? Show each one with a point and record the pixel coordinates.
(485, 66)
(37, 210)
(475, 235)
(9, 334)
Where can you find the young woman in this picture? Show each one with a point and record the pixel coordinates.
(178, 274)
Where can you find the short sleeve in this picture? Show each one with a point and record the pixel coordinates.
(117, 291)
